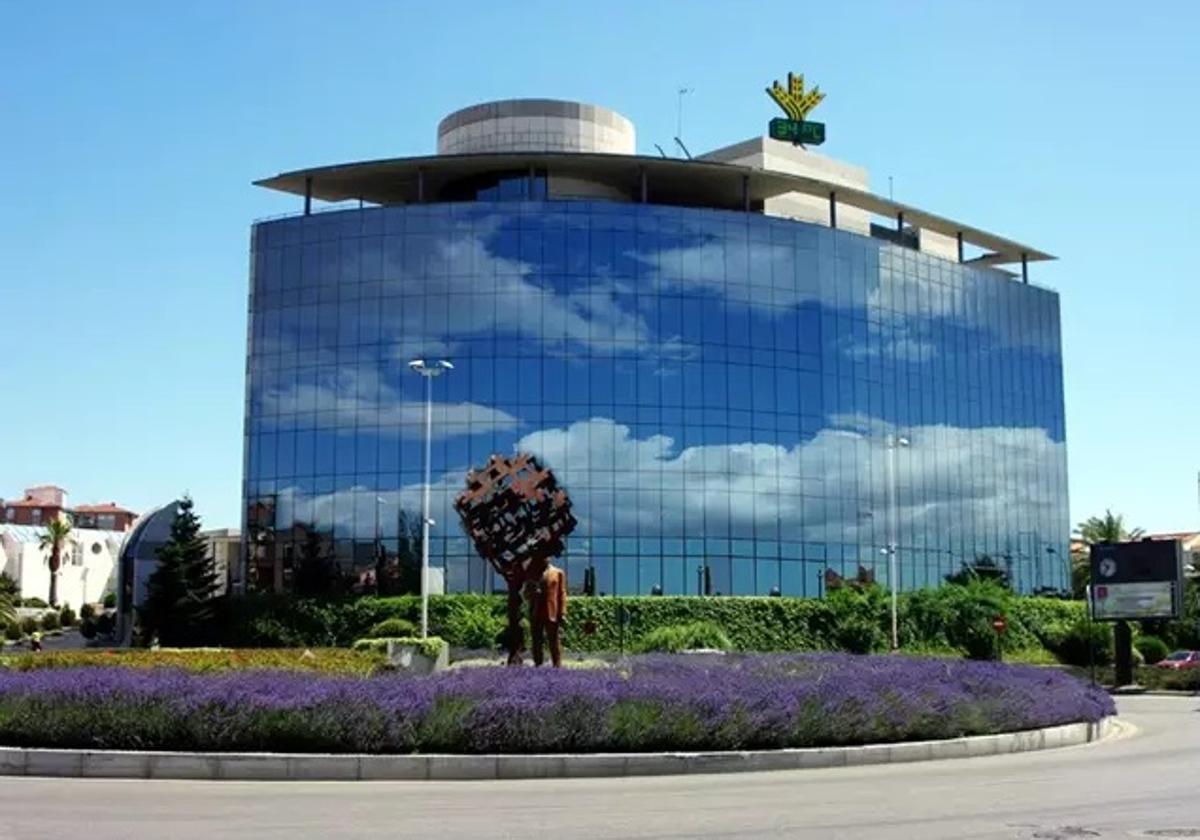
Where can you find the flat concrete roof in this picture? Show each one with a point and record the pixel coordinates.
(669, 181)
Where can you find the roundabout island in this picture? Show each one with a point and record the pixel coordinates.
(643, 715)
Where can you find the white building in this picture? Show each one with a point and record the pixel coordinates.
(88, 570)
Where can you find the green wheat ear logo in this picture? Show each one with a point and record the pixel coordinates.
(794, 101)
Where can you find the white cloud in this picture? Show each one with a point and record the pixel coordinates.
(525, 303)
(832, 488)
(359, 397)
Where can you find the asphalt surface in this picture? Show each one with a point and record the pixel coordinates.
(1140, 784)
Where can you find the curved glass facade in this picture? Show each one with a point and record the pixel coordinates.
(710, 387)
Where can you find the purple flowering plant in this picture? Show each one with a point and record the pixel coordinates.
(651, 703)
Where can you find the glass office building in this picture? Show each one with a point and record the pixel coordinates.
(714, 386)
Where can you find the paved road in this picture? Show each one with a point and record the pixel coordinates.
(1139, 785)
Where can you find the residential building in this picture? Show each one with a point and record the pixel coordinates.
(41, 504)
(87, 568)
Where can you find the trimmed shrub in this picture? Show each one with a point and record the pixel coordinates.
(35, 603)
(87, 611)
(392, 628)
(12, 631)
(1187, 679)
(431, 647)
(29, 625)
(333, 661)
(87, 628)
(700, 635)
(110, 601)
(51, 621)
(1152, 649)
(67, 617)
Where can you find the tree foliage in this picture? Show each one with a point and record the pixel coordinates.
(180, 593)
(984, 568)
(1109, 528)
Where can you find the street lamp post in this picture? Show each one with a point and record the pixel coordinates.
(893, 441)
(429, 370)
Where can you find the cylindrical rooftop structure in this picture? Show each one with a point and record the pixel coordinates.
(535, 125)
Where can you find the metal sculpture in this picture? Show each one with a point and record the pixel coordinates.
(517, 516)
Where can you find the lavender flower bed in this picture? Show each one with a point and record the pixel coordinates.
(656, 703)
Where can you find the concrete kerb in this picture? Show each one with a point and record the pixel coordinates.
(298, 767)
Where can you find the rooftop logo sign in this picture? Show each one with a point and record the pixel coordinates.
(796, 102)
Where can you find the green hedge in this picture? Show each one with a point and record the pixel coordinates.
(951, 618)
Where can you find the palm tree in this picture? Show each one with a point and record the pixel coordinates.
(1109, 528)
(7, 609)
(58, 532)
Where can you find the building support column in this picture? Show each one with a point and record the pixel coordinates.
(1024, 268)
(643, 185)
(420, 185)
(746, 193)
(960, 247)
(833, 210)
(308, 196)
(900, 222)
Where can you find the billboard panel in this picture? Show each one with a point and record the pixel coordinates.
(1113, 601)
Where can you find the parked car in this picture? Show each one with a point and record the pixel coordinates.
(1181, 659)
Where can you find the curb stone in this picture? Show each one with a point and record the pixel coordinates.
(94, 764)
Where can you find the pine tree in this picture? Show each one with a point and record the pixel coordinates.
(180, 594)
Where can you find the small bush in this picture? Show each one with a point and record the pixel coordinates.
(35, 603)
(392, 628)
(51, 621)
(12, 631)
(268, 632)
(87, 628)
(67, 617)
(859, 617)
(105, 625)
(699, 635)
(29, 624)
(1071, 643)
(1152, 649)
(431, 647)
(478, 630)
(110, 601)
(87, 611)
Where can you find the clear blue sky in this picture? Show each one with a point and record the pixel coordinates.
(130, 133)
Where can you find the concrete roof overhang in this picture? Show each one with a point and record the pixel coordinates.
(669, 181)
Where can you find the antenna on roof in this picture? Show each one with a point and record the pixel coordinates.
(683, 91)
(685, 148)
(660, 150)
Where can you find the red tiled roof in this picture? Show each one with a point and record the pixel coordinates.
(30, 503)
(107, 507)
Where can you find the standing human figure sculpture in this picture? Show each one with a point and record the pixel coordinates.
(518, 517)
(547, 611)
